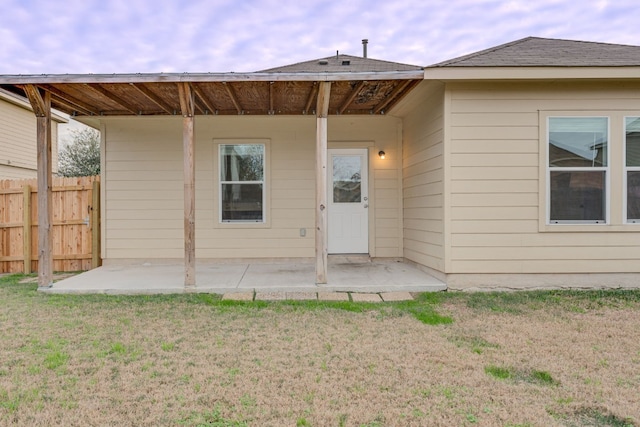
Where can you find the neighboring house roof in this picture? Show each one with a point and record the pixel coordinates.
(341, 64)
(542, 52)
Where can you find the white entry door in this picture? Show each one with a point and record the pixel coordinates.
(348, 216)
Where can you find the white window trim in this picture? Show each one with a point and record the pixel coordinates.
(606, 169)
(266, 190)
(626, 169)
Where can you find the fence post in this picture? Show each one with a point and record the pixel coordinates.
(26, 228)
(95, 225)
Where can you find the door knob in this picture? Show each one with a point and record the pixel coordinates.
(366, 205)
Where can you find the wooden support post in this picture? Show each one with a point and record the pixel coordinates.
(26, 228)
(96, 259)
(322, 112)
(187, 103)
(42, 108)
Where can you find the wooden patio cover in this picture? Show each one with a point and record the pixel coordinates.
(191, 94)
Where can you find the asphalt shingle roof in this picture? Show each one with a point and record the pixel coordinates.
(543, 52)
(342, 64)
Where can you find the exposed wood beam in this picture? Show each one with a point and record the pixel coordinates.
(199, 107)
(74, 108)
(401, 95)
(41, 105)
(36, 100)
(69, 100)
(322, 105)
(232, 95)
(113, 97)
(187, 107)
(153, 97)
(203, 98)
(187, 101)
(312, 95)
(271, 109)
(322, 111)
(351, 96)
(402, 86)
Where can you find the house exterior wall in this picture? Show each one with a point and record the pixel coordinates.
(423, 179)
(18, 156)
(143, 185)
(497, 177)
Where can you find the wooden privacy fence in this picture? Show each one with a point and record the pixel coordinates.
(75, 226)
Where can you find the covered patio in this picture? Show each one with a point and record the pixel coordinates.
(340, 85)
(352, 274)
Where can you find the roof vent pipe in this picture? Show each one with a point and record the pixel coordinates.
(364, 47)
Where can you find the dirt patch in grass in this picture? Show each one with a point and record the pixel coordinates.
(194, 360)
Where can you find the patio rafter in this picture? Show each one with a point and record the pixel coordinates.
(113, 97)
(140, 87)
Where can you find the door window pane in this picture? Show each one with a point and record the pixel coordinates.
(347, 185)
(577, 196)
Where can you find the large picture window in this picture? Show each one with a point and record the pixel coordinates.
(577, 169)
(632, 168)
(242, 183)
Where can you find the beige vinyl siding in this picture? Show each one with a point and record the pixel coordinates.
(18, 156)
(495, 170)
(143, 185)
(423, 179)
(12, 172)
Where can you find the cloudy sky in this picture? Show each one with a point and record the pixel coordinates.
(119, 36)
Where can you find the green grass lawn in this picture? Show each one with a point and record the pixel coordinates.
(506, 359)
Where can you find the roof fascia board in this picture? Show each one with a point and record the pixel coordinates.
(207, 77)
(530, 73)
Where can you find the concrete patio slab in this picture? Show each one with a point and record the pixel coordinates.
(345, 275)
(378, 275)
(280, 277)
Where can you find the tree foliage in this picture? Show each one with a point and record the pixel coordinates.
(81, 157)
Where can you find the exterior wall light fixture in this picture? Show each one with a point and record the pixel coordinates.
(381, 154)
